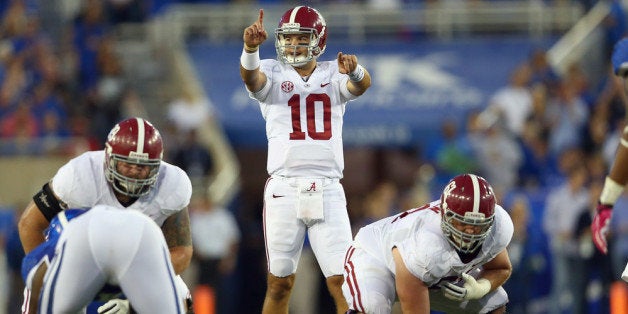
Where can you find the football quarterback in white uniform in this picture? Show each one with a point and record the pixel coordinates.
(303, 102)
(449, 255)
(128, 174)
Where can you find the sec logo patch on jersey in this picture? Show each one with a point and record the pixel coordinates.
(287, 86)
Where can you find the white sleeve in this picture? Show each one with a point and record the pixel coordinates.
(179, 191)
(266, 66)
(70, 188)
(505, 229)
(424, 258)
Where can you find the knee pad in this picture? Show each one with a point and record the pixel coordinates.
(282, 267)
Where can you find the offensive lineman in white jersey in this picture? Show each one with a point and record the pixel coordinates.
(303, 102)
(106, 246)
(448, 255)
(129, 173)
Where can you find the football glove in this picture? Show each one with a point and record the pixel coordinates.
(620, 58)
(600, 226)
(115, 306)
(471, 289)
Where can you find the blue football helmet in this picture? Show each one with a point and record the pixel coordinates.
(58, 223)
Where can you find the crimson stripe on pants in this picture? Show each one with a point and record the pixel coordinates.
(352, 282)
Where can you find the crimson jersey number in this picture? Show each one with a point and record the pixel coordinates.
(310, 109)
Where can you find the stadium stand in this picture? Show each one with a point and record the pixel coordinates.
(68, 71)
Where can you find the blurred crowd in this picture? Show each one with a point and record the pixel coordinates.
(62, 85)
(545, 141)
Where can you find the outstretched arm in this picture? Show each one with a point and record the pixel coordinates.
(619, 170)
(359, 77)
(254, 35)
(618, 176)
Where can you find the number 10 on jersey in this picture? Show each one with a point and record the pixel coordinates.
(310, 109)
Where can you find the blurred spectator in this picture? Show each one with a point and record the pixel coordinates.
(513, 102)
(453, 153)
(53, 134)
(577, 77)
(595, 133)
(188, 111)
(185, 114)
(89, 27)
(216, 238)
(597, 166)
(563, 206)
(542, 71)
(105, 97)
(527, 251)
(131, 104)
(615, 25)
(46, 103)
(194, 158)
(421, 191)
(537, 161)
(498, 153)
(13, 86)
(20, 123)
(82, 140)
(611, 100)
(610, 144)
(380, 203)
(594, 268)
(127, 11)
(568, 115)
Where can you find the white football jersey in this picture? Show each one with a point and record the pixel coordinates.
(81, 183)
(304, 119)
(424, 249)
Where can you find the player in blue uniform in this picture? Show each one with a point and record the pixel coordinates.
(83, 265)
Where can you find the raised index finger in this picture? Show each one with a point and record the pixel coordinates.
(261, 16)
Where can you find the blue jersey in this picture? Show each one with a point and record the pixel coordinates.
(45, 251)
(41, 254)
